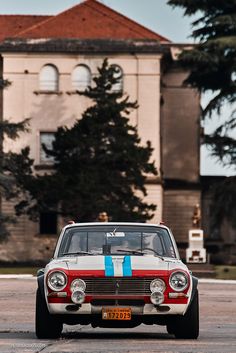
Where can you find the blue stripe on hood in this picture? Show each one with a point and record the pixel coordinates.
(109, 267)
(127, 271)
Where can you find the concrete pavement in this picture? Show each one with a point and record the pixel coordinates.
(217, 326)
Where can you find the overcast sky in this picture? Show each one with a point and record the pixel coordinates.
(154, 14)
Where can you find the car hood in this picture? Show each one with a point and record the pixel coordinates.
(116, 265)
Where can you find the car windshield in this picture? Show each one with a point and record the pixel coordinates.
(117, 240)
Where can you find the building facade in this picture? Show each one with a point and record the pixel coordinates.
(49, 58)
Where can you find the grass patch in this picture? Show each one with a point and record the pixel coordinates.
(225, 272)
(18, 270)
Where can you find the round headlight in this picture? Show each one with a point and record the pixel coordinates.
(57, 280)
(157, 285)
(78, 284)
(179, 281)
(78, 297)
(157, 298)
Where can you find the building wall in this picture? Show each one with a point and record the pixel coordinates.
(178, 211)
(49, 111)
(180, 119)
(25, 243)
(180, 130)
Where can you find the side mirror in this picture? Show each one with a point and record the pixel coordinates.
(40, 272)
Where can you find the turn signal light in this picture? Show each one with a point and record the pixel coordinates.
(177, 295)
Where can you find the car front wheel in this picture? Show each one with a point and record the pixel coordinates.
(187, 326)
(46, 325)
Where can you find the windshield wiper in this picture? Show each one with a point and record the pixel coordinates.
(160, 257)
(139, 252)
(77, 253)
(134, 252)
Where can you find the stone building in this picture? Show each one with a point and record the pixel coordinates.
(48, 58)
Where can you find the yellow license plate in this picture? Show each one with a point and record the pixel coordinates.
(116, 314)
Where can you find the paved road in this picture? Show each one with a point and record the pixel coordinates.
(217, 327)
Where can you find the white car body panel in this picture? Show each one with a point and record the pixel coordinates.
(141, 266)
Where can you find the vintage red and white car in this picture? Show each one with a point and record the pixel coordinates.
(116, 275)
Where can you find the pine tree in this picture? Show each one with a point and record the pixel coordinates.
(212, 62)
(100, 164)
(212, 65)
(14, 167)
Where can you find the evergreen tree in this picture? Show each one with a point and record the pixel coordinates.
(212, 62)
(14, 167)
(212, 65)
(99, 162)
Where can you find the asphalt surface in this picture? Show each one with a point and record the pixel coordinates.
(217, 326)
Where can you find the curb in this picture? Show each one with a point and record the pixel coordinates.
(216, 281)
(17, 277)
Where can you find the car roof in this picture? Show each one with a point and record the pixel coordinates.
(99, 224)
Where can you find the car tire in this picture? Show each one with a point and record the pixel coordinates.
(46, 325)
(170, 329)
(187, 326)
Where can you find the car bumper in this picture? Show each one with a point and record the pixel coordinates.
(87, 308)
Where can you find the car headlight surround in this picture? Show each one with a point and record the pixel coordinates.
(57, 280)
(157, 285)
(78, 284)
(179, 281)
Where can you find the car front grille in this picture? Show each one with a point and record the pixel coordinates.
(118, 286)
(112, 302)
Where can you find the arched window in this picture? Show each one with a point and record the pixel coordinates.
(81, 77)
(118, 87)
(49, 78)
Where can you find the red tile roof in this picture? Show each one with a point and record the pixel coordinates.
(10, 25)
(89, 20)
